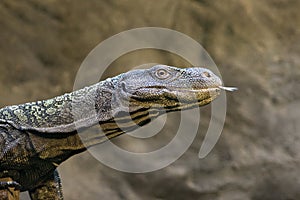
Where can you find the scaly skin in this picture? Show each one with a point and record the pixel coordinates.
(36, 137)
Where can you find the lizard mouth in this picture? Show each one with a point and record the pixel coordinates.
(175, 94)
(211, 90)
(230, 89)
(167, 95)
(191, 89)
(189, 95)
(195, 90)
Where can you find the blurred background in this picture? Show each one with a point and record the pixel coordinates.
(256, 46)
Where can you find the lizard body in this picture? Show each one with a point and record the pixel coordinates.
(36, 137)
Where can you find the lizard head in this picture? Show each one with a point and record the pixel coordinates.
(169, 87)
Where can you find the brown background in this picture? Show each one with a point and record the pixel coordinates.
(256, 45)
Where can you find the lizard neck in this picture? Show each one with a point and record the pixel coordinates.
(66, 125)
(63, 114)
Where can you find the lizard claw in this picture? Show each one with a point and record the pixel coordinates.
(10, 184)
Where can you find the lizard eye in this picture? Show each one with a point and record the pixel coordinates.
(162, 74)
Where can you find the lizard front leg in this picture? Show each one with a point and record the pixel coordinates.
(51, 189)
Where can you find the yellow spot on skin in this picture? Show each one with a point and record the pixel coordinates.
(14, 107)
(51, 111)
(59, 98)
(7, 115)
(20, 114)
(48, 102)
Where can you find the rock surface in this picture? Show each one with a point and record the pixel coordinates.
(256, 45)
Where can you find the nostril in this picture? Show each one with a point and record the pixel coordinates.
(206, 74)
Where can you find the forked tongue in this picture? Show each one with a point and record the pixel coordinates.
(230, 89)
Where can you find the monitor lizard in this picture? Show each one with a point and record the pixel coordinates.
(37, 137)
